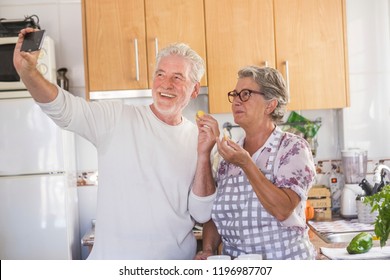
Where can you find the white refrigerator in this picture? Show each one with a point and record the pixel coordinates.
(38, 191)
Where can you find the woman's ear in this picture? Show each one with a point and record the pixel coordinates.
(272, 104)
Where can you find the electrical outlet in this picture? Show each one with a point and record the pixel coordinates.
(335, 185)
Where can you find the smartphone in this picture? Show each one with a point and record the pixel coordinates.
(33, 41)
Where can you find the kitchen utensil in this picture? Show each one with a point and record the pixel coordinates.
(364, 213)
(348, 200)
(366, 186)
(354, 165)
(355, 169)
(62, 79)
(377, 187)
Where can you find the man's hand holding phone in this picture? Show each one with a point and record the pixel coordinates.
(33, 41)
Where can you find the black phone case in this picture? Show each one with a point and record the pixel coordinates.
(33, 41)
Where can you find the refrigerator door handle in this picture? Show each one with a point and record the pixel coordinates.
(33, 174)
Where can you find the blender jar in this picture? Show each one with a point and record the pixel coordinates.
(354, 165)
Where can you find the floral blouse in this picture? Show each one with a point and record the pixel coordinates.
(244, 224)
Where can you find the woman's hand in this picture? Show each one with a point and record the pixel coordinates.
(232, 152)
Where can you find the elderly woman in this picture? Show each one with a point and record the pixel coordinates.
(263, 179)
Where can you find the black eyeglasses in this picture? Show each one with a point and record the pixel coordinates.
(244, 95)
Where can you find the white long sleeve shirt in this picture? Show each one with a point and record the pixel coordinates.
(146, 209)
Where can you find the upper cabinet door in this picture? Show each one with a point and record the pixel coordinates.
(122, 38)
(172, 21)
(310, 37)
(238, 33)
(115, 50)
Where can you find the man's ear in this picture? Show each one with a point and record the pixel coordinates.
(195, 91)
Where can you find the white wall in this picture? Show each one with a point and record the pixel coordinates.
(366, 123)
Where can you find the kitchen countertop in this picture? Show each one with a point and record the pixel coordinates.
(318, 243)
(335, 225)
(325, 226)
(89, 237)
(336, 250)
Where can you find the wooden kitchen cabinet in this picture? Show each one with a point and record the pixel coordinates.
(112, 28)
(122, 37)
(311, 36)
(238, 33)
(307, 34)
(170, 21)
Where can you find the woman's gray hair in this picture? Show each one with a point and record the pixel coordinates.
(272, 84)
(181, 49)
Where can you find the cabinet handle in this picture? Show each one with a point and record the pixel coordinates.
(266, 63)
(156, 46)
(287, 81)
(136, 59)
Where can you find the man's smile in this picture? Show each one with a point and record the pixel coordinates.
(167, 95)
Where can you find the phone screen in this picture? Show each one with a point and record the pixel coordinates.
(33, 41)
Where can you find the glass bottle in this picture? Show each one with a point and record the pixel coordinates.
(62, 80)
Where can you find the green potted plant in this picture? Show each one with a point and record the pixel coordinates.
(380, 202)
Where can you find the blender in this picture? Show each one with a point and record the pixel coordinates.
(355, 168)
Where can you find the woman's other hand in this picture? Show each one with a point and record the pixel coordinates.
(232, 152)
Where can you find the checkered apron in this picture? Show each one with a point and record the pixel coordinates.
(246, 227)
